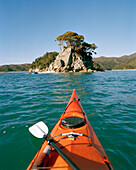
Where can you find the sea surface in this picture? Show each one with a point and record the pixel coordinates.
(108, 98)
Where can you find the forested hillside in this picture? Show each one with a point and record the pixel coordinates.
(14, 67)
(113, 63)
(44, 61)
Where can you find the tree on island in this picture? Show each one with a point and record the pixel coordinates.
(76, 42)
(76, 56)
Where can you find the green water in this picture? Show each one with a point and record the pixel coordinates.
(108, 98)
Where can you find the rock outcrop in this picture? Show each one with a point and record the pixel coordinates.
(70, 61)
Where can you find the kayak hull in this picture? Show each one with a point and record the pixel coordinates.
(76, 138)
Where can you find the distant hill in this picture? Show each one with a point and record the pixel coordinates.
(105, 63)
(113, 63)
(14, 67)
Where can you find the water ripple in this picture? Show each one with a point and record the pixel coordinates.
(109, 100)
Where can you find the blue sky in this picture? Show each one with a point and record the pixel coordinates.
(28, 28)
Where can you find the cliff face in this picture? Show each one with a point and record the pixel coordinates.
(70, 61)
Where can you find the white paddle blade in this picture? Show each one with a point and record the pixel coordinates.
(39, 130)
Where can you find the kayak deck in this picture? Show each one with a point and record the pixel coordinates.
(75, 137)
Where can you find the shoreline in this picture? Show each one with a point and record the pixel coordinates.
(13, 71)
(123, 69)
(60, 72)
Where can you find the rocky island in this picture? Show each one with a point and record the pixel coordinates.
(76, 56)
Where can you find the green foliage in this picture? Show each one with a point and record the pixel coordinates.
(97, 67)
(70, 38)
(124, 62)
(88, 48)
(17, 67)
(44, 61)
(130, 64)
(107, 63)
(77, 42)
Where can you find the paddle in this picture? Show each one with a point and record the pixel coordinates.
(40, 130)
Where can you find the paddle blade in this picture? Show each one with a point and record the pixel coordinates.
(39, 130)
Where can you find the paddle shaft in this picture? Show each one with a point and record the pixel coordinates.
(71, 163)
(40, 127)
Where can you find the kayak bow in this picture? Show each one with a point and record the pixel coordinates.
(74, 137)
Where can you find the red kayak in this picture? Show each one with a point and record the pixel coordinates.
(72, 143)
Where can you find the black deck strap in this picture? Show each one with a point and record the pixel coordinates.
(68, 106)
(80, 106)
(66, 134)
(61, 139)
(89, 142)
(106, 162)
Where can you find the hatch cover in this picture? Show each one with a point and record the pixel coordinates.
(73, 122)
